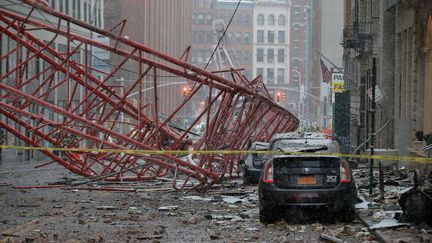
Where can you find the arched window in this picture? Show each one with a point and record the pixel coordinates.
(260, 19)
(271, 19)
(281, 20)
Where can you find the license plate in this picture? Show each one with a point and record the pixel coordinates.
(306, 180)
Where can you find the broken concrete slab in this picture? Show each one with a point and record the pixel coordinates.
(107, 208)
(168, 208)
(388, 223)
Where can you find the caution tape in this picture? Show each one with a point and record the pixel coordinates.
(220, 152)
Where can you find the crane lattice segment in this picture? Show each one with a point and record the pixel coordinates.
(96, 115)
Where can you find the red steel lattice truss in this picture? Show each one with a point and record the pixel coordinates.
(95, 115)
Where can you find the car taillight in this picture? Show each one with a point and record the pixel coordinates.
(268, 173)
(344, 172)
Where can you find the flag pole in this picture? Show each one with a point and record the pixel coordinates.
(338, 68)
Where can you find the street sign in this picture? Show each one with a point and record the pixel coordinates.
(337, 84)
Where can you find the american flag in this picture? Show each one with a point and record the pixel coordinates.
(325, 72)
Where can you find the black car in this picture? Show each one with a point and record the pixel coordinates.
(312, 179)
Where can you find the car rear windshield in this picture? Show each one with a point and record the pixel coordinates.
(304, 145)
(307, 162)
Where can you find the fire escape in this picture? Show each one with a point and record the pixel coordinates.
(358, 44)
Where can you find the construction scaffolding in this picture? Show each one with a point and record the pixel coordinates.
(97, 116)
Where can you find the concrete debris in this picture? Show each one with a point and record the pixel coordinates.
(416, 204)
(330, 238)
(388, 223)
(362, 205)
(292, 228)
(107, 208)
(198, 198)
(134, 211)
(215, 236)
(168, 208)
(317, 226)
(150, 237)
(233, 200)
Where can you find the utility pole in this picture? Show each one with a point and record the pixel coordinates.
(372, 130)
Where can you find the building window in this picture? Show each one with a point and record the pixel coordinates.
(201, 37)
(296, 45)
(280, 75)
(270, 75)
(281, 56)
(238, 19)
(259, 71)
(296, 33)
(296, 77)
(208, 3)
(296, 65)
(247, 57)
(281, 36)
(247, 37)
(296, 11)
(260, 55)
(85, 12)
(238, 37)
(271, 20)
(247, 20)
(270, 55)
(200, 19)
(210, 37)
(260, 36)
(199, 3)
(260, 19)
(281, 20)
(200, 56)
(270, 36)
(99, 16)
(79, 9)
(209, 19)
(74, 12)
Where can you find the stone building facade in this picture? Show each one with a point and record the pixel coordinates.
(163, 25)
(398, 35)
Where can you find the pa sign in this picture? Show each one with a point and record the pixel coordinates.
(337, 84)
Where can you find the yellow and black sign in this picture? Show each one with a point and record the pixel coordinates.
(337, 84)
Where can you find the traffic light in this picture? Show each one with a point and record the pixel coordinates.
(278, 96)
(186, 91)
(282, 96)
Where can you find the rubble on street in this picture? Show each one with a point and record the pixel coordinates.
(226, 213)
(384, 215)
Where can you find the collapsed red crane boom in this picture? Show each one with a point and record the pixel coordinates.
(95, 115)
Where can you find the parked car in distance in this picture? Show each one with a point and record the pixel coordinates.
(313, 179)
(253, 163)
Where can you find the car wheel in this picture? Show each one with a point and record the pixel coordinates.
(267, 212)
(247, 179)
(330, 216)
(267, 216)
(346, 214)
